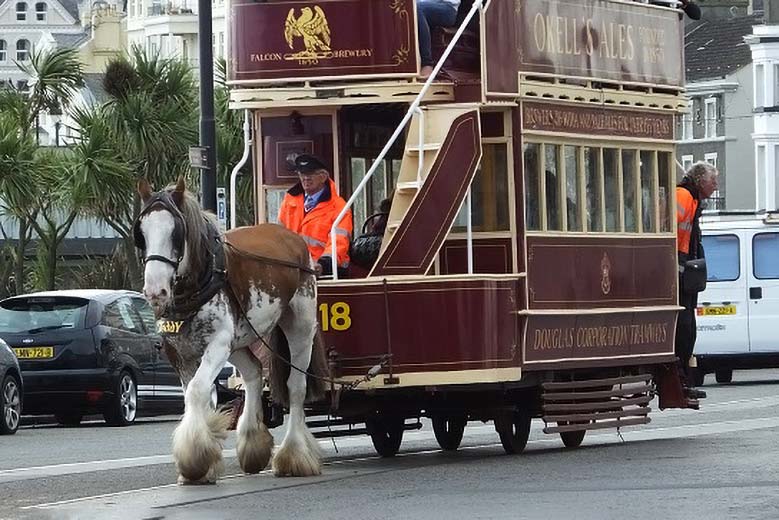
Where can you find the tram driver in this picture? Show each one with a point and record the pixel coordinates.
(697, 185)
(310, 208)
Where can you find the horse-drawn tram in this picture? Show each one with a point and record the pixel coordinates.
(527, 268)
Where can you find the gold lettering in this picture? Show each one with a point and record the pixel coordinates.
(539, 32)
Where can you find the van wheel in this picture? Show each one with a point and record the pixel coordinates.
(123, 405)
(69, 417)
(11, 401)
(724, 375)
(698, 376)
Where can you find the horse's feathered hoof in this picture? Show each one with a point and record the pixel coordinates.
(254, 448)
(197, 448)
(298, 458)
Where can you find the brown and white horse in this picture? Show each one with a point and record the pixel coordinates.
(205, 289)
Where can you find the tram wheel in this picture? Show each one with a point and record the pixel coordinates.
(386, 434)
(513, 429)
(449, 431)
(573, 439)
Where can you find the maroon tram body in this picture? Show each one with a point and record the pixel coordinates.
(557, 117)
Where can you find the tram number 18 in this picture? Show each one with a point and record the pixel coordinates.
(335, 316)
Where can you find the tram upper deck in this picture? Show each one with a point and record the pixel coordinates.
(365, 51)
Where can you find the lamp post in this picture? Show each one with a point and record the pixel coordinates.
(207, 125)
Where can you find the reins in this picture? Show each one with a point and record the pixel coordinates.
(269, 260)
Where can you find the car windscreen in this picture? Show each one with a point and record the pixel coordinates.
(38, 314)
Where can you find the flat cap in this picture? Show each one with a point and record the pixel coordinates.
(305, 163)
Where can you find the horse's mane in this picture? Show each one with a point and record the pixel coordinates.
(196, 220)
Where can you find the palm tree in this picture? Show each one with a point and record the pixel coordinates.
(18, 197)
(54, 77)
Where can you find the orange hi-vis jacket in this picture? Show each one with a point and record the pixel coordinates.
(315, 225)
(686, 206)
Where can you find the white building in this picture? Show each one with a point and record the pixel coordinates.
(171, 28)
(764, 43)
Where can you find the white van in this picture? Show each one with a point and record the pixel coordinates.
(738, 313)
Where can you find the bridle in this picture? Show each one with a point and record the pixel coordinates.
(162, 200)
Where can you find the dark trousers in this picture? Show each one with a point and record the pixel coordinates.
(432, 13)
(686, 332)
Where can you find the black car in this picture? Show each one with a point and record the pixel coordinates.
(85, 351)
(11, 391)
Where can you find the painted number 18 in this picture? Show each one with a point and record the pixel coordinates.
(335, 316)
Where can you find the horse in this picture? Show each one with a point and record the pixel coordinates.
(213, 294)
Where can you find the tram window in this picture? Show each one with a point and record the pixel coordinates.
(665, 173)
(611, 187)
(572, 198)
(378, 185)
(532, 190)
(358, 170)
(552, 187)
(273, 204)
(629, 184)
(648, 189)
(489, 193)
(594, 183)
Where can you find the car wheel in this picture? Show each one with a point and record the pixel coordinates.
(69, 417)
(12, 405)
(123, 406)
(724, 375)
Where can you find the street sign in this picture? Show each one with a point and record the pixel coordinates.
(198, 157)
(221, 208)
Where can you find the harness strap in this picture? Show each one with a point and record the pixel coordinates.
(270, 260)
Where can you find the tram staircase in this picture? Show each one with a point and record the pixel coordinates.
(571, 406)
(442, 154)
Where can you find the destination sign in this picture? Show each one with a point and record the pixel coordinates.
(598, 121)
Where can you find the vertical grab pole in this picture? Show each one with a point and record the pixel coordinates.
(469, 233)
(247, 144)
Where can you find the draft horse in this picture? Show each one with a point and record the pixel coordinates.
(212, 294)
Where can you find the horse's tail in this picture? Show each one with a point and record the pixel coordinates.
(317, 369)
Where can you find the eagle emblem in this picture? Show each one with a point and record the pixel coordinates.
(312, 26)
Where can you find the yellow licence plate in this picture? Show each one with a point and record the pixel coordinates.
(34, 352)
(717, 310)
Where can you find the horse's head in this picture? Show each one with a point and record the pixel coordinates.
(160, 234)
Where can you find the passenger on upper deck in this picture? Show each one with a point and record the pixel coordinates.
(433, 13)
(698, 184)
(689, 7)
(309, 209)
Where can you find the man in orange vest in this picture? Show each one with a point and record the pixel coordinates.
(697, 185)
(309, 209)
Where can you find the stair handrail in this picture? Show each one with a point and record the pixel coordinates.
(477, 6)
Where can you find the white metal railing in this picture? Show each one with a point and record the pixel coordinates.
(477, 6)
(247, 144)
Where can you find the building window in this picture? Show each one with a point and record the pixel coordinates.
(21, 11)
(759, 85)
(687, 122)
(221, 45)
(776, 85)
(687, 161)
(710, 114)
(711, 158)
(3, 50)
(40, 11)
(22, 50)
